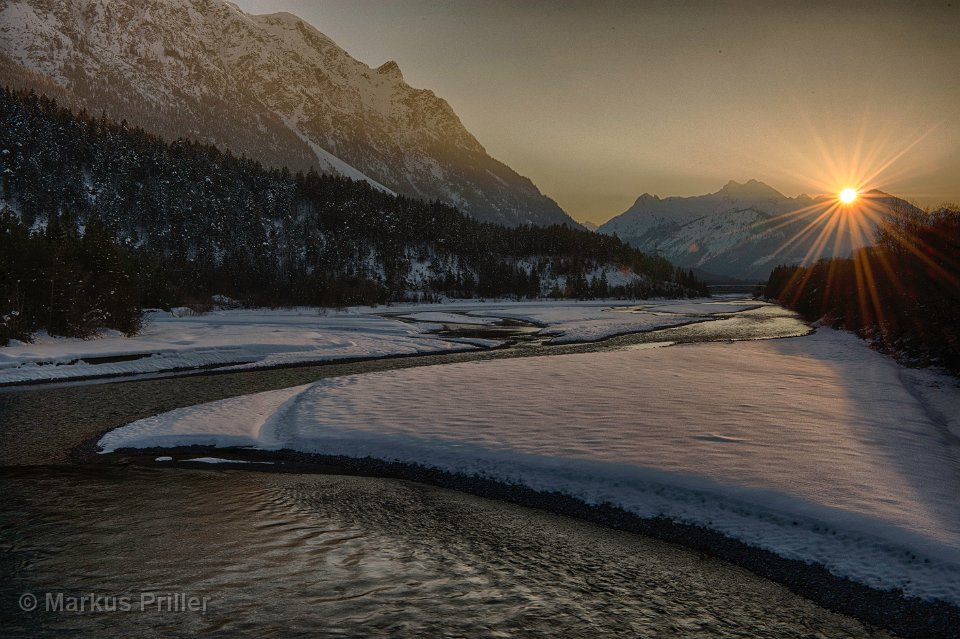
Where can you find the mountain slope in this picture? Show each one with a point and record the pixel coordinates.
(269, 86)
(744, 230)
(110, 218)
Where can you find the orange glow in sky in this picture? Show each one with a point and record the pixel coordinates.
(599, 102)
(848, 195)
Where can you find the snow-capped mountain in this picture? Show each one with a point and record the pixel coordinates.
(269, 86)
(744, 230)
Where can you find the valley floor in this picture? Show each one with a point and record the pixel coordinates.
(769, 454)
(815, 448)
(237, 339)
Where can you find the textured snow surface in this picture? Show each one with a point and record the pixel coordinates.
(239, 338)
(443, 317)
(255, 338)
(815, 447)
(584, 321)
(220, 460)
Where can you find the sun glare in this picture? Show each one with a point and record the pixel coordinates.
(848, 195)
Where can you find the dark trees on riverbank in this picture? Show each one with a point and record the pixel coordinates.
(103, 219)
(903, 292)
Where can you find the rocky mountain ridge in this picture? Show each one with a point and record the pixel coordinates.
(271, 87)
(744, 230)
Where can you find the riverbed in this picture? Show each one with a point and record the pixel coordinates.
(336, 556)
(286, 554)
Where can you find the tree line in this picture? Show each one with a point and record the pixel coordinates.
(903, 292)
(100, 219)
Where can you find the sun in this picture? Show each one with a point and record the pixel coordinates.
(848, 195)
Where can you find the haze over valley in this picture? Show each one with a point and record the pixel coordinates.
(479, 318)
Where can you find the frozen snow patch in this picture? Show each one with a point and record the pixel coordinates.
(812, 448)
(221, 460)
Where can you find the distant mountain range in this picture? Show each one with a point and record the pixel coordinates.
(271, 87)
(274, 88)
(744, 230)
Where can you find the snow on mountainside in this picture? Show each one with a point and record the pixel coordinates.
(269, 86)
(744, 230)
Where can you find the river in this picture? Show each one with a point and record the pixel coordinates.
(292, 554)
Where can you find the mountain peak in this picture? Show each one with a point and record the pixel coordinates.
(390, 69)
(279, 17)
(647, 197)
(287, 95)
(749, 188)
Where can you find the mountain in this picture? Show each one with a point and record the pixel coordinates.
(110, 219)
(744, 230)
(271, 87)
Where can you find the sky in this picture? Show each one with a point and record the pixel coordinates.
(598, 102)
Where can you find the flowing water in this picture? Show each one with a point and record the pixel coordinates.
(333, 556)
(178, 552)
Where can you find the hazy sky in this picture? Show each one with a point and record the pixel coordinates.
(598, 102)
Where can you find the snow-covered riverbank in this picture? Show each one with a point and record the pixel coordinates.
(816, 448)
(272, 337)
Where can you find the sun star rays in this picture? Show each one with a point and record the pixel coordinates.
(843, 221)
